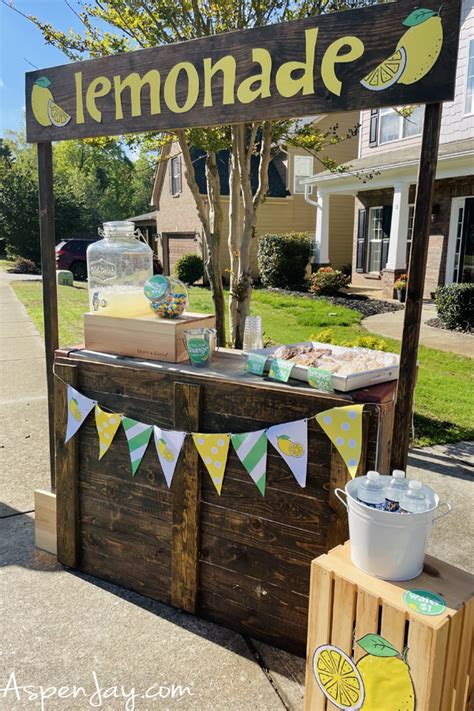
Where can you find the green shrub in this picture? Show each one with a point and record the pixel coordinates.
(24, 266)
(455, 306)
(374, 343)
(328, 281)
(283, 258)
(189, 268)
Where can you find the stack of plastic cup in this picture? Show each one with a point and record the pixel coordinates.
(253, 334)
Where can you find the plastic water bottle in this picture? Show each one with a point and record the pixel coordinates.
(372, 491)
(414, 500)
(395, 490)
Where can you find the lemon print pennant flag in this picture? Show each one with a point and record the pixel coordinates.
(251, 449)
(213, 449)
(78, 407)
(291, 442)
(107, 424)
(138, 435)
(343, 426)
(168, 447)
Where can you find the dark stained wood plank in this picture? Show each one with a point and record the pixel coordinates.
(287, 570)
(128, 546)
(136, 498)
(416, 285)
(49, 288)
(186, 501)
(174, 96)
(118, 519)
(67, 494)
(252, 593)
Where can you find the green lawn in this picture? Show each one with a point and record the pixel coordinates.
(444, 398)
(6, 264)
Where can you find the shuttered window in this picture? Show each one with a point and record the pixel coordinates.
(361, 240)
(380, 219)
(175, 175)
(374, 127)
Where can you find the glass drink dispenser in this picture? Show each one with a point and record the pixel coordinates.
(118, 267)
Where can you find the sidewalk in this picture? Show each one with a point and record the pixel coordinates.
(391, 326)
(61, 627)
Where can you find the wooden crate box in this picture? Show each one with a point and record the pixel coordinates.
(346, 604)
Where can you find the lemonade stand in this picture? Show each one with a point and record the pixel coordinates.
(238, 552)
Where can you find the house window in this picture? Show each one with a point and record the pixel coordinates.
(470, 81)
(175, 175)
(302, 168)
(411, 221)
(394, 127)
(375, 238)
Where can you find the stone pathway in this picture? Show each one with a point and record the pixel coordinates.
(391, 326)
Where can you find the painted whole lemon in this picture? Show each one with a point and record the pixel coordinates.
(40, 98)
(164, 451)
(290, 448)
(338, 678)
(422, 44)
(387, 684)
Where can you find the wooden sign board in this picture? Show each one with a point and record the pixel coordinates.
(388, 55)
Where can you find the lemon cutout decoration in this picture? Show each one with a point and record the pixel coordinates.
(164, 451)
(44, 108)
(386, 676)
(338, 678)
(74, 409)
(415, 54)
(290, 448)
(387, 73)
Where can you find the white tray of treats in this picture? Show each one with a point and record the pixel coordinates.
(351, 368)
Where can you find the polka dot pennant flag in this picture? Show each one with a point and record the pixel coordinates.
(78, 407)
(291, 442)
(251, 448)
(138, 435)
(107, 424)
(213, 449)
(343, 426)
(168, 447)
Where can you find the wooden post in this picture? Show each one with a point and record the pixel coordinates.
(186, 502)
(48, 270)
(67, 467)
(416, 284)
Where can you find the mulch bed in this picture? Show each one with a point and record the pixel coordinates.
(365, 305)
(436, 323)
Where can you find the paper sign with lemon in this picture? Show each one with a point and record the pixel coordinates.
(291, 442)
(379, 681)
(78, 407)
(168, 447)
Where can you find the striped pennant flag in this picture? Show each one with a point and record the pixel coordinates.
(251, 449)
(138, 435)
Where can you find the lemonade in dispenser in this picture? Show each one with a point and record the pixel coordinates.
(118, 267)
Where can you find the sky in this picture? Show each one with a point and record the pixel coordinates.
(20, 43)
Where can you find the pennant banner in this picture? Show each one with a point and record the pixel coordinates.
(291, 442)
(138, 436)
(107, 424)
(213, 449)
(343, 426)
(251, 449)
(168, 447)
(78, 407)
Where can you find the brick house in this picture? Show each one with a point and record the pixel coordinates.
(383, 180)
(178, 228)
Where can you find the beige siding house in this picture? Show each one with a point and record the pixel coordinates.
(179, 231)
(383, 180)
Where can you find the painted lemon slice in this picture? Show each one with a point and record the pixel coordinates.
(338, 678)
(57, 115)
(387, 73)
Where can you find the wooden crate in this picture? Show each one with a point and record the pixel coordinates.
(148, 337)
(346, 604)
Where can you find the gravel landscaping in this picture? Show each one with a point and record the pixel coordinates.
(437, 323)
(364, 305)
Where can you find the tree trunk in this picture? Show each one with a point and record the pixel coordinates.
(235, 230)
(210, 215)
(251, 203)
